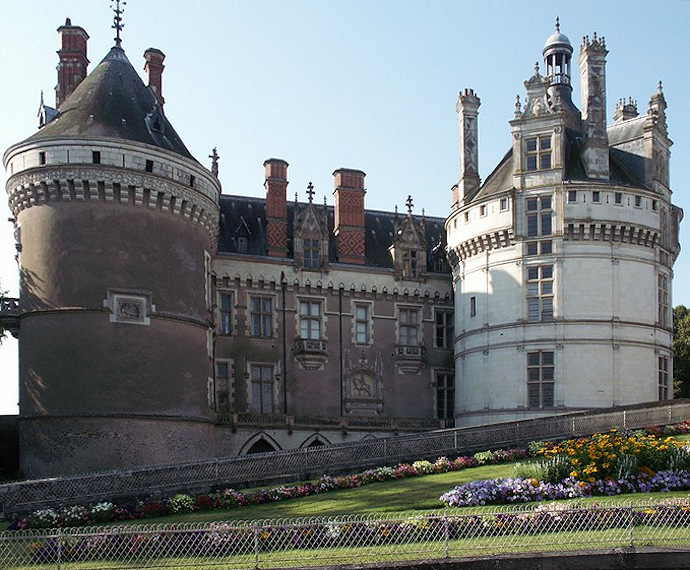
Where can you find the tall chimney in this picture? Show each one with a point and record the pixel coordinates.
(73, 63)
(349, 215)
(468, 111)
(154, 68)
(593, 84)
(276, 206)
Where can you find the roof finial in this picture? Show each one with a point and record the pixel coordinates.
(409, 204)
(117, 19)
(215, 157)
(558, 24)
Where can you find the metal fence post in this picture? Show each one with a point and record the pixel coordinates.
(446, 529)
(58, 540)
(256, 546)
(632, 525)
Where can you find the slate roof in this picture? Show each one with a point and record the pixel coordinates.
(246, 216)
(626, 168)
(113, 102)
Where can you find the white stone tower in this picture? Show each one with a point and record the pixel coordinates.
(562, 259)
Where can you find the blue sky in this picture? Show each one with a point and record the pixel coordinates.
(370, 85)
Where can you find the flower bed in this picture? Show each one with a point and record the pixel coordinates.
(604, 464)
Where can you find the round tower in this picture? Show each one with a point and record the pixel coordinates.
(116, 223)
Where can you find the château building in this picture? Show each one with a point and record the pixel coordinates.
(161, 320)
(562, 258)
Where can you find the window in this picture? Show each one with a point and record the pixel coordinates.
(664, 392)
(596, 196)
(540, 379)
(504, 204)
(473, 306)
(638, 201)
(41, 157)
(225, 307)
(540, 293)
(444, 329)
(662, 292)
(445, 395)
(312, 253)
(362, 324)
(539, 216)
(572, 195)
(655, 205)
(222, 385)
(538, 153)
(96, 157)
(310, 320)
(410, 263)
(618, 197)
(261, 316)
(467, 217)
(544, 247)
(191, 180)
(482, 210)
(149, 166)
(262, 388)
(242, 244)
(408, 322)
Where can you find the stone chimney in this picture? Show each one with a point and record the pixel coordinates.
(73, 63)
(593, 85)
(154, 68)
(349, 215)
(276, 206)
(468, 111)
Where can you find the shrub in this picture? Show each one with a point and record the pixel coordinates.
(484, 457)
(423, 467)
(43, 518)
(102, 512)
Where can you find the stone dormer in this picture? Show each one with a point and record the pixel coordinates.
(409, 251)
(310, 238)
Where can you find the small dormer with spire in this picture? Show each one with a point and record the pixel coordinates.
(409, 251)
(310, 234)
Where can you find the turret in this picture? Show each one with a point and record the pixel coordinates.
(468, 112)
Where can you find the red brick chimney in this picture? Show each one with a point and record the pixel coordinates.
(349, 215)
(73, 61)
(276, 206)
(154, 68)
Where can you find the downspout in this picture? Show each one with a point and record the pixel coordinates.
(283, 286)
(340, 340)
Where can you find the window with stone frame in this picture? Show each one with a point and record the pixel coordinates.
(662, 296)
(538, 153)
(664, 382)
(540, 379)
(445, 395)
(222, 385)
(310, 319)
(262, 388)
(362, 323)
(408, 326)
(261, 317)
(311, 255)
(539, 216)
(445, 328)
(539, 293)
(411, 263)
(224, 313)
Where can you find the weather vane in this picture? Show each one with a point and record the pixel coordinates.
(117, 19)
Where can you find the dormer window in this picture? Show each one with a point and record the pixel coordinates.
(538, 153)
(410, 264)
(312, 253)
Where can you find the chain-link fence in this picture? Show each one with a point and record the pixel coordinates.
(307, 463)
(555, 527)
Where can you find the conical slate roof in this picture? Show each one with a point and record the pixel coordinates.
(113, 102)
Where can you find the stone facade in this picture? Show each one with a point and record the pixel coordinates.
(562, 259)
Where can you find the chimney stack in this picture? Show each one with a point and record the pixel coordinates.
(468, 112)
(73, 63)
(276, 206)
(593, 85)
(154, 68)
(349, 215)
